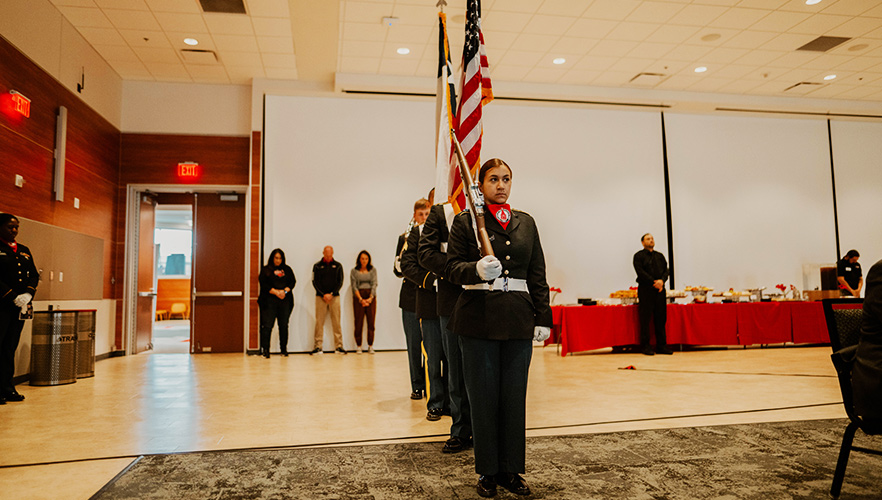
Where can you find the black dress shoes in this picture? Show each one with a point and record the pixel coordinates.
(2, 400)
(648, 351)
(434, 414)
(284, 353)
(664, 350)
(12, 397)
(486, 486)
(416, 395)
(513, 483)
(456, 444)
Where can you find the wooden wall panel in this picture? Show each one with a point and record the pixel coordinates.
(153, 159)
(171, 290)
(255, 257)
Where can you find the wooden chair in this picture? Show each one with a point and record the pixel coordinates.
(180, 309)
(843, 318)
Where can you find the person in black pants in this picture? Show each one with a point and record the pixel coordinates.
(275, 300)
(652, 272)
(407, 302)
(18, 284)
(503, 308)
(866, 379)
(432, 254)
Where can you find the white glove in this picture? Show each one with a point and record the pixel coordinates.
(23, 300)
(541, 333)
(489, 268)
(24, 309)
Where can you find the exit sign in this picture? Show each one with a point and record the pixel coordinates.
(188, 170)
(20, 104)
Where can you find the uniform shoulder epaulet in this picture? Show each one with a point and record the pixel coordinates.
(521, 212)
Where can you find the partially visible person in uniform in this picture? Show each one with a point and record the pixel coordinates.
(652, 272)
(327, 279)
(432, 254)
(503, 308)
(407, 302)
(275, 300)
(430, 325)
(363, 279)
(18, 284)
(866, 378)
(849, 274)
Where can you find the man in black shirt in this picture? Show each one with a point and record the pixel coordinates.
(849, 274)
(652, 272)
(327, 279)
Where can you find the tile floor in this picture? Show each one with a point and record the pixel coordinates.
(67, 441)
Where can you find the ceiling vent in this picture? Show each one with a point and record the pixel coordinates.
(223, 6)
(803, 88)
(201, 57)
(647, 79)
(824, 43)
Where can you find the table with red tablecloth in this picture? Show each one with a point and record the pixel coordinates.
(583, 328)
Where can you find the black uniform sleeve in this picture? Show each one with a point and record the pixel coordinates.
(410, 265)
(429, 252)
(537, 284)
(462, 252)
(641, 266)
(315, 282)
(397, 261)
(290, 279)
(339, 282)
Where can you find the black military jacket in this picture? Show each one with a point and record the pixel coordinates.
(426, 297)
(498, 315)
(407, 294)
(431, 256)
(18, 273)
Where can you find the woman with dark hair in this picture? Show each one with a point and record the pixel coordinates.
(18, 284)
(503, 308)
(275, 300)
(363, 279)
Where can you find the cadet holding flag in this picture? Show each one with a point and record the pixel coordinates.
(503, 308)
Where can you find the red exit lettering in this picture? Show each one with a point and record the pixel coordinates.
(21, 104)
(188, 170)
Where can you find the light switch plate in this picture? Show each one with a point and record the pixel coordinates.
(19, 180)
(76, 203)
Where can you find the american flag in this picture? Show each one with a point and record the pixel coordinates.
(475, 91)
(445, 116)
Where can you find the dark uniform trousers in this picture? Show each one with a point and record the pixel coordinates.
(411, 323)
(275, 309)
(10, 334)
(18, 275)
(431, 256)
(652, 305)
(495, 331)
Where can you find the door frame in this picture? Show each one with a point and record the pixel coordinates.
(130, 271)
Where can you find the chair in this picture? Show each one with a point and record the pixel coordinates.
(843, 318)
(179, 308)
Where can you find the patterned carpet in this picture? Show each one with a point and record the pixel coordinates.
(785, 460)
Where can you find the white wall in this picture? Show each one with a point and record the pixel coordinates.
(857, 158)
(186, 108)
(751, 199)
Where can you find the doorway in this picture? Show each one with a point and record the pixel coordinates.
(186, 275)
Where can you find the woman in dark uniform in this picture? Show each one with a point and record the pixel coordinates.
(275, 300)
(18, 284)
(504, 307)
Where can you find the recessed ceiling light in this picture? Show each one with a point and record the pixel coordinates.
(700, 69)
(829, 77)
(404, 51)
(191, 41)
(559, 60)
(812, 2)
(711, 38)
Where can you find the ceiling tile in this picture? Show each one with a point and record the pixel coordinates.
(132, 70)
(595, 63)
(132, 19)
(548, 25)
(417, 15)
(750, 39)
(788, 41)
(860, 64)
(238, 43)
(635, 32)
(493, 40)
(734, 71)
(779, 21)
(86, 17)
(521, 58)
(857, 93)
(122, 4)
(369, 65)
(534, 42)
(102, 36)
(367, 12)
(509, 73)
(243, 75)
(850, 7)
(229, 24)
(762, 4)
(151, 55)
(411, 34)
(688, 53)
(708, 84)
(281, 73)
(612, 79)
(525, 6)
(613, 48)
(738, 86)
(74, 3)
(374, 32)
(697, 15)
(573, 45)
(856, 27)
(652, 50)
(793, 60)
(172, 21)
(760, 57)
(875, 34)
(504, 21)
(208, 74)
(362, 49)
(275, 44)
(176, 39)
(268, 8)
(591, 28)
(616, 10)
(578, 77)
(558, 7)
(144, 38)
(738, 18)
(654, 12)
(264, 26)
(632, 64)
(722, 55)
(829, 91)
(672, 34)
(544, 75)
(169, 71)
(240, 59)
(112, 53)
(826, 61)
(818, 24)
(390, 49)
(874, 12)
(390, 66)
(174, 6)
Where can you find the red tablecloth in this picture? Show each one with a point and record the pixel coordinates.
(583, 328)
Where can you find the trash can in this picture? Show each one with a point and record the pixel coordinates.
(85, 343)
(54, 348)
